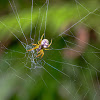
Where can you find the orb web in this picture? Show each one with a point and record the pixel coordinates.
(71, 64)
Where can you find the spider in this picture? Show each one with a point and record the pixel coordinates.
(42, 45)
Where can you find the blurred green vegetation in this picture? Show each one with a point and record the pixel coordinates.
(17, 82)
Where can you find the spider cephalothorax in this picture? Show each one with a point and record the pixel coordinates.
(42, 44)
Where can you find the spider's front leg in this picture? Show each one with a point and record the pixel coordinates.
(42, 36)
(34, 48)
(39, 42)
(34, 44)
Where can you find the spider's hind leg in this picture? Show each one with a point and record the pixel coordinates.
(41, 53)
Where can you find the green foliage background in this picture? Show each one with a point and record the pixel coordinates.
(14, 81)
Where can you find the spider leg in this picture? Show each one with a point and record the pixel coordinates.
(50, 43)
(39, 42)
(42, 54)
(34, 48)
(34, 44)
(42, 36)
(46, 49)
(39, 54)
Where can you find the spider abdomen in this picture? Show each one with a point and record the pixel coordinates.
(45, 43)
